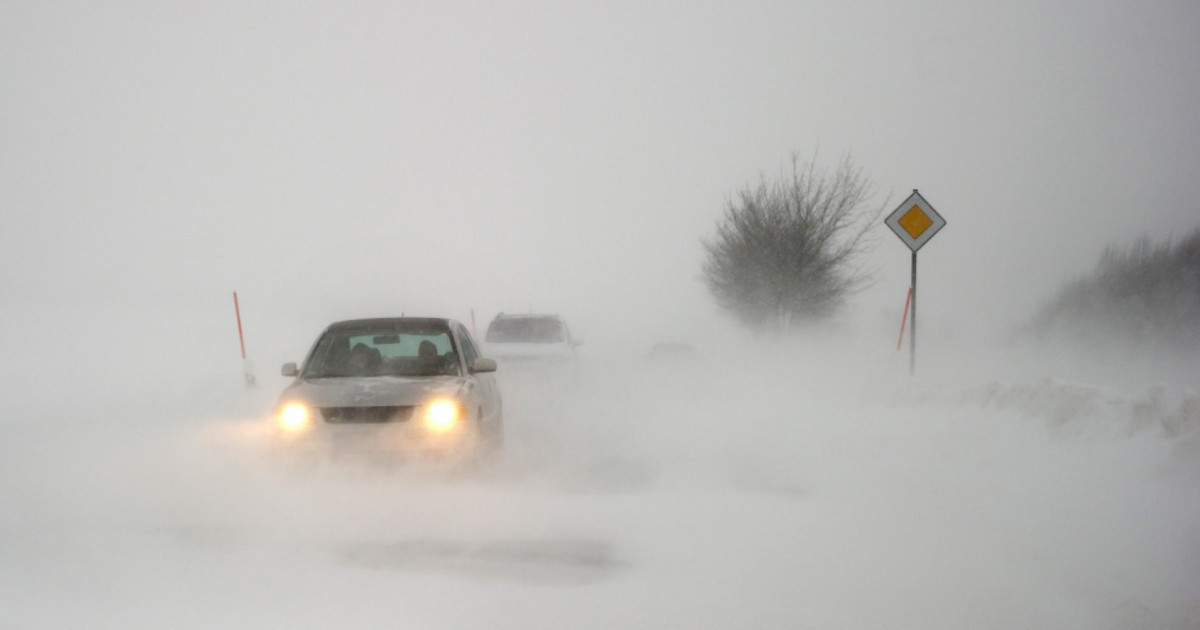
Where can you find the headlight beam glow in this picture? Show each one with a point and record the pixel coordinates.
(294, 416)
(441, 415)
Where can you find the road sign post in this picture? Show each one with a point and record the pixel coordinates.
(912, 332)
(915, 222)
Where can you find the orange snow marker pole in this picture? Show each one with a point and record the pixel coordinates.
(904, 320)
(249, 373)
(238, 312)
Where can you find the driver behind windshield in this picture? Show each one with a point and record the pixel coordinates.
(370, 353)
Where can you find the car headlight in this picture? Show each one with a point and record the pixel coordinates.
(294, 416)
(442, 415)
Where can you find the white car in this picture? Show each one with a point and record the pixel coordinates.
(530, 340)
(392, 386)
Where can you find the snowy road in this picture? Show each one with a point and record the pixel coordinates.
(659, 496)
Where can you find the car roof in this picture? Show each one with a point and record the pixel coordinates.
(526, 316)
(393, 323)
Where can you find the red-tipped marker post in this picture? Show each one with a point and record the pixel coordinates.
(904, 320)
(247, 369)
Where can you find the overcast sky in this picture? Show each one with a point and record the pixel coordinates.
(366, 158)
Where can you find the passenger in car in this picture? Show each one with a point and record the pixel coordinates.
(431, 362)
(364, 360)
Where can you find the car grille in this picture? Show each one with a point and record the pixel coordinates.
(365, 415)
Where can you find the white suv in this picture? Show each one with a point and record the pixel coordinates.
(534, 340)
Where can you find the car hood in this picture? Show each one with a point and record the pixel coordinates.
(373, 391)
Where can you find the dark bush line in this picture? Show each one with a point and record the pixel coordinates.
(1146, 292)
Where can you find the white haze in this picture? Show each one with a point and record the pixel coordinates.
(810, 484)
(457, 159)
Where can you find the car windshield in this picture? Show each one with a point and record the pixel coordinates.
(525, 330)
(345, 353)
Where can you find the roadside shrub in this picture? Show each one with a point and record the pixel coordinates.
(1143, 293)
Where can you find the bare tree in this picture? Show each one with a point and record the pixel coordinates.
(786, 249)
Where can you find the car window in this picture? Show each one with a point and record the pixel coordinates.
(468, 346)
(383, 353)
(402, 345)
(525, 330)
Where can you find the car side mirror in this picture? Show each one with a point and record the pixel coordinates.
(483, 365)
(289, 369)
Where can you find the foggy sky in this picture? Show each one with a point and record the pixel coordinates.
(375, 158)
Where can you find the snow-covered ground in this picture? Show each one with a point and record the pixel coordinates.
(812, 486)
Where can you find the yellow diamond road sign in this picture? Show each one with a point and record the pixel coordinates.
(915, 221)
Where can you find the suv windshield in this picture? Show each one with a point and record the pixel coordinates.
(525, 330)
(383, 353)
